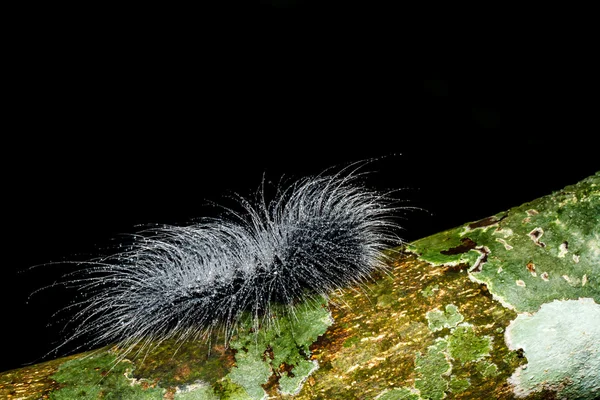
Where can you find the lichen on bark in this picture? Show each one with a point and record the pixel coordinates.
(467, 313)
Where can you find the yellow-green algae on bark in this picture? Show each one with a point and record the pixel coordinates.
(464, 315)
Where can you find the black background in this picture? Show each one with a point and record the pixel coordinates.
(116, 122)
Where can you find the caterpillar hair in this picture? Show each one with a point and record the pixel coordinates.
(319, 234)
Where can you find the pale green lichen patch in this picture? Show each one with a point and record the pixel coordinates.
(439, 320)
(430, 369)
(446, 367)
(487, 368)
(289, 384)
(458, 385)
(280, 349)
(430, 290)
(100, 376)
(251, 370)
(465, 345)
(540, 251)
(562, 348)
(196, 392)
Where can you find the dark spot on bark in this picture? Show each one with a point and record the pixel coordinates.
(268, 353)
(520, 353)
(465, 245)
(286, 369)
(531, 267)
(484, 251)
(483, 289)
(485, 222)
(535, 235)
(457, 268)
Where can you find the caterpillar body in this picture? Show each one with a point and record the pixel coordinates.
(316, 235)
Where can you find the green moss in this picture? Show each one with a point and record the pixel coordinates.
(465, 345)
(438, 320)
(99, 376)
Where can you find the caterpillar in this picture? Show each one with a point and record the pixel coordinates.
(316, 235)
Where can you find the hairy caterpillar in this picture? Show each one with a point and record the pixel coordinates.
(316, 235)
